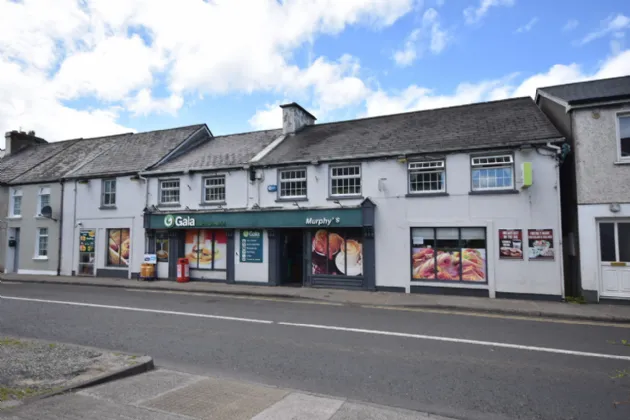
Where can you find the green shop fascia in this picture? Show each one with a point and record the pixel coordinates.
(276, 222)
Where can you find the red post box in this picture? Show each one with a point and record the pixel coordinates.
(183, 270)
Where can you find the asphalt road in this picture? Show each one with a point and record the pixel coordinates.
(390, 357)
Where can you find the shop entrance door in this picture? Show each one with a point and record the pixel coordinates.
(161, 251)
(614, 257)
(87, 250)
(292, 262)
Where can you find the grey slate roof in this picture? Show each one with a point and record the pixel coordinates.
(495, 124)
(17, 164)
(595, 90)
(223, 151)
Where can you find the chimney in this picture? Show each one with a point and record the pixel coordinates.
(294, 118)
(18, 140)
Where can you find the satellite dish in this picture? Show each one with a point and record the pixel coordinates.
(47, 212)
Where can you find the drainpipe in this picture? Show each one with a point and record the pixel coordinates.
(554, 147)
(146, 190)
(74, 227)
(63, 184)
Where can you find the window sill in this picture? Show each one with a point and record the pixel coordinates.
(40, 258)
(14, 218)
(39, 217)
(427, 195)
(172, 205)
(345, 197)
(213, 203)
(291, 200)
(107, 208)
(116, 267)
(493, 192)
(622, 162)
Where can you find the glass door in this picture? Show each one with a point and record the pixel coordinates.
(86, 252)
(161, 251)
(614, 254)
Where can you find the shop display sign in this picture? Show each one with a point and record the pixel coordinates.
(511, 244)
(251, 246)
(150, 258)
(86, 241)
(540, 242)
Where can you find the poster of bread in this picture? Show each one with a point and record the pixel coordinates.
(118, 247)
(206, 249)
(337, 253)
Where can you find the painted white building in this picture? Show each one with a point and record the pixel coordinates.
(595, 119)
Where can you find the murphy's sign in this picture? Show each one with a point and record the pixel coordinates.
(322, 221)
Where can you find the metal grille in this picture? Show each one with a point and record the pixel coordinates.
(42, 242)
(426, 177)
(214, 189)
(345, 180)
(109, 192)
(492, 173)
(169, 191)
(293, 183)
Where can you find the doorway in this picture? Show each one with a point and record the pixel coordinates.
(292, 261)
(16, 252)
(161, 250)
(614, 258)
(87, 251)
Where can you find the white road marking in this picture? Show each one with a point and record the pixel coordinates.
(460, 341)
(125, 308)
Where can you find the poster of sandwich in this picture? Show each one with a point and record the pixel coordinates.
(511, 244)
(540, 243)
(118, 247)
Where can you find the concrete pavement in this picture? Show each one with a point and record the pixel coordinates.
(170, 395)
(593, 312)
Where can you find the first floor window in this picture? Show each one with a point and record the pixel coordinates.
(214, 189)
(16, 202)
(449, 254)
(42, 242)
(43, 199)
(426, 177)
(345, 180)
(119, 247)
(169, 191)
(492, 173)
(337, 252)
(624, 136)
(108, 196)
(206, 249)
(293, 183)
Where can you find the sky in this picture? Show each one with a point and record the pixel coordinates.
(85, 68)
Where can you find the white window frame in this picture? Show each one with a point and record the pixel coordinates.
(208, 187)
(618, 117)
(355, 176)
(289, 180)
(426, 168)
(111, 193)
(162, 189)
(38, 248)
(40, 205)
(502, 161)
(16, 192)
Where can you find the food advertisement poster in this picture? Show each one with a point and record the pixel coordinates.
(540, 243)
(119, 247)
(86, 240)
(338, 252)
(511, 244)
(206, 249)
(251, 246)
(467, 264)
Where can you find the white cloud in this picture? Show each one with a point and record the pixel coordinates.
(570, 25)
(615, 25)
(528, 26)
(475, 14)
(144, 103)
(430, 35)
(268, 117)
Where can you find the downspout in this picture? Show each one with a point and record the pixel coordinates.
(146, 190)
(74, 226)
(59, 253)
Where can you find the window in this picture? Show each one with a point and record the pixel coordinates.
(43, 199)
(492, 173)
(42, 242)
(16, 202)
(345, 180)
(614, 241)
(449, 254)
(108, 194)
(169, 191)
(337, 252)
(206, 249)
(118, 249)
(624, 137)
(426, 177)
(214, 189)
(293, 183)
(161, 246)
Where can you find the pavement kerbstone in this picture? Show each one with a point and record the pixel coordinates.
(355, 411)
(303, 407)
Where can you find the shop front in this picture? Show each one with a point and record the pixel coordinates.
(305, 247)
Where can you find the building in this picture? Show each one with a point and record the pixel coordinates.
(594, 117)
(371, 204)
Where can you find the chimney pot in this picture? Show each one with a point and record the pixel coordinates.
(294, 118)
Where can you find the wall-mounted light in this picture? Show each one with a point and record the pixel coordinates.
(615, 207)
(381, 184)
(401, 159)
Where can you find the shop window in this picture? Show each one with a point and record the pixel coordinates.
(42, 243)
(118, 249)
(449, 254)
(293, 183)
(427, 177)
(16, 202)
(345, 180)
(492, 173)
(206, 249)
(169, 191)
(214, 189)
(337, 252)
(108, 195)
(43, 199)
(624, 137)
(161, 246)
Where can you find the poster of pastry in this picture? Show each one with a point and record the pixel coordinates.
(510, 244)
(206, 249)
(118, 250)
(337, 253)
(220, 250)
(540, 244)
(468, 264)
